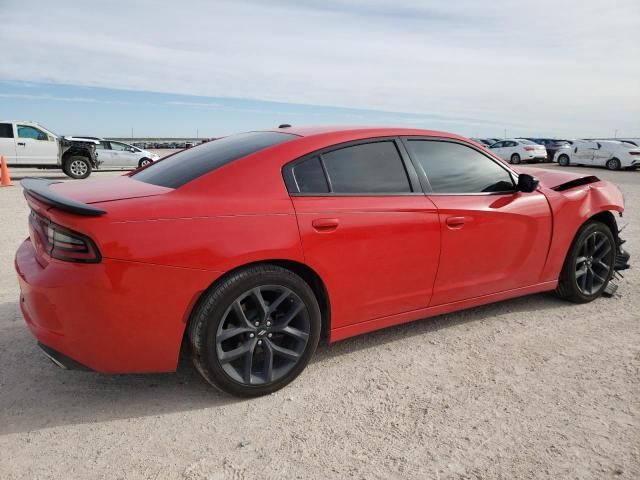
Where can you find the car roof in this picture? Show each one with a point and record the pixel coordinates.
(362, 131)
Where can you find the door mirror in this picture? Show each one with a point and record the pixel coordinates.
(527, 183)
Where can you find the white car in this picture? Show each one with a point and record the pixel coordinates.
(599, 153)
(516, 150)
(114, 154)
(30, 145)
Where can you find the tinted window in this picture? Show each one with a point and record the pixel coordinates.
(6, 130)
(455, 168)
(498, 145)
(310, 176)
(187, 165)
(367, 168)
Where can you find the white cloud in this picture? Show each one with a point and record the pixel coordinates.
(563, 67)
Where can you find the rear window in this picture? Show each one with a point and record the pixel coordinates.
(6, 130)
(182, 167)
(527, 142)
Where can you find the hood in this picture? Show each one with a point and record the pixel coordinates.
(558, 180)
(108, 189)
(81, 139)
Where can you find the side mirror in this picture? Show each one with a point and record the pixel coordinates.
(527, 183)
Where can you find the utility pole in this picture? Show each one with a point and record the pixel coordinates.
(131, 133)
(615, 134)
(505, 133)
(197, 134)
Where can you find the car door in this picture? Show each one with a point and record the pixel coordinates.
(366, 228)
(583, 152)
(35, 147)
(601, 155)
(105, 154)
(499, 149)
(123, 155)
(494, 238)
(8, 143)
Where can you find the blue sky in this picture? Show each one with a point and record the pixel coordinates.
(533, 67)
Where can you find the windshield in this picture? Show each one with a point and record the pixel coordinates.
(182, 167)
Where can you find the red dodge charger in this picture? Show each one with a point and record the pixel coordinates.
(254, 246)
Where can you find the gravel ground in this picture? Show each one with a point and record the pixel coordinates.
(527, 388)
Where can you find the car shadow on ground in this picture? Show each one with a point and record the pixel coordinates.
(35, 394)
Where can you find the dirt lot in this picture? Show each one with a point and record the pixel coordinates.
(527, 388)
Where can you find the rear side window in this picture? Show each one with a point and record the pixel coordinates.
(6, 130)
(310, 177)
(455, 168)
(367, 168)
(182, 167)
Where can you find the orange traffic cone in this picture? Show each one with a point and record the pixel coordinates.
(5, 180)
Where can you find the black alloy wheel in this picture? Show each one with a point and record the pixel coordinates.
(594, 263)
(262, 335)
(255, 330)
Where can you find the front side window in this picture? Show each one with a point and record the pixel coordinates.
(27, 131)
(103, 146)
(456, 168)
(119, 147)
(367, 168)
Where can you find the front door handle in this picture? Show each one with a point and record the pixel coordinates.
(21, 144)
(325, 224)
(455, 222)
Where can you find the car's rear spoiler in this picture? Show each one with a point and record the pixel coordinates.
(39, 189)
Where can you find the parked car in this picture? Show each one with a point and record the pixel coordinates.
(516, 150)
(603, 153)
(122, 155)
(28, 144)
(483, 141)
(269, 240)
(551, 145)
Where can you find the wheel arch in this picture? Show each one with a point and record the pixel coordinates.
(309, 275)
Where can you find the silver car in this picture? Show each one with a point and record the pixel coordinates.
(114, 154)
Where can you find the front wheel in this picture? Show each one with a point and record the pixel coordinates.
(77, 167)
(589, 264)
(614, 164)
(144, 162)
(515, 159)
(256, 331)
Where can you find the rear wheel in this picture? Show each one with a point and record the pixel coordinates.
(614, 164)
(256, 331)
(589, 264)
(144, 161)
(77, 167)
(563, 160)
(515, 159)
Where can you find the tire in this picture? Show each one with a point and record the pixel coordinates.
(144, 161)
(586, 261)
(614, 164)
(563, 160)
(77, 167)
(515, 159)
(261, 338)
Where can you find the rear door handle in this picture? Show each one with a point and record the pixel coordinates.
(325, 224)
(21, 144)
(455, 222)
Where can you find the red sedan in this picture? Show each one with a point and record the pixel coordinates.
(254, 246)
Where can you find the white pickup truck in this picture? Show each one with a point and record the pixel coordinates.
(28, 144)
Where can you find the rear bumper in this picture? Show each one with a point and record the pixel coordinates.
(111, 317)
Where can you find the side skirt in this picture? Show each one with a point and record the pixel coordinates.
(391, 320)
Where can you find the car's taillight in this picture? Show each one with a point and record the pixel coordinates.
(529, 149)
(634, 153)
(61, 243)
